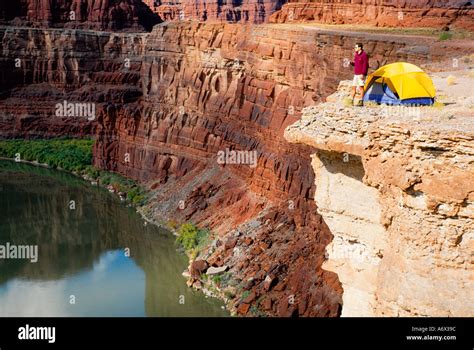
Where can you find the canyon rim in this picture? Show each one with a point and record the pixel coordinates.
(317, 208)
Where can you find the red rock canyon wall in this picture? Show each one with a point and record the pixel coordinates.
(97, 14)
(385, 13)
(243, 11)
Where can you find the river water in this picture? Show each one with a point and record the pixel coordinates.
(95, 256)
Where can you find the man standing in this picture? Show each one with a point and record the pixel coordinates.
(361, 66)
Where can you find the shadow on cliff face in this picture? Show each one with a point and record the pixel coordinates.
(118, 15)
(343, 163)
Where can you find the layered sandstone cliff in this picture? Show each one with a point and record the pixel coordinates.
(132, 14)
(386, 13)
(395, 186)
(241, 11)
(97, 14)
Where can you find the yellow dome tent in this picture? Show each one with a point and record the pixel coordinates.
(399, 83)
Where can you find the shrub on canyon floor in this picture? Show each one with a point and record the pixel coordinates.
(217, 279)
(92, 172)
(245, 294)
(192, 238)
(451, 80)
(348, 102)
(135, 193)
(445, 36)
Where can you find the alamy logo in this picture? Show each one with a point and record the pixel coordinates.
(409, 111)
(237, 157)
(37, 333)
(12, 251)
(80, 110)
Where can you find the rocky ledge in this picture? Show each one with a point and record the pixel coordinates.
(396, 188)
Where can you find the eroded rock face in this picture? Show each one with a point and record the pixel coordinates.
(41, 68)
(387, 13)
(396, 192)
(242, 11)
(97, 14)
(352, 211)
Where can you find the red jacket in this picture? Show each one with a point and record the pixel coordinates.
(361, 63)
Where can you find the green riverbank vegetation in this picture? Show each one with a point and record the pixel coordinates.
(75, 156)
